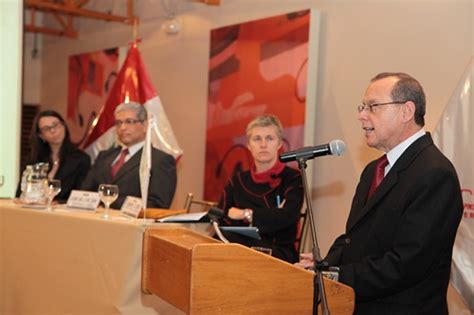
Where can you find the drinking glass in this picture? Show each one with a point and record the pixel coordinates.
(108, 194)
(52, 188)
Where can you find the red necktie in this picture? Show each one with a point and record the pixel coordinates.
(120, 162)
(378, 175)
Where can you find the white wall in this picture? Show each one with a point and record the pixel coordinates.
(11, 16)
(430, 39)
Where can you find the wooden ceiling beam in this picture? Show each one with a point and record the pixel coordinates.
(80, 3)
(50, 31)
(33, 17)
(71, 7)
(64, 13)
(60, 20)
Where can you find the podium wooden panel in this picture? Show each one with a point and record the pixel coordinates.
(201, 275)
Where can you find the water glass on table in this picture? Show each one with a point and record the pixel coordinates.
(108, 194)
(51, 189)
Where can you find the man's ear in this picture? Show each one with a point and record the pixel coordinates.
(409, 111)
(145, 124)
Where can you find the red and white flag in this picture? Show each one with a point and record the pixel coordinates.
(133, 85)
(453, 135)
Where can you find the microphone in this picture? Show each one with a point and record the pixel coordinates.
(335, 147)
(215, 214)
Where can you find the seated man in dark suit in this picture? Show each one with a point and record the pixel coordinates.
(120, 165)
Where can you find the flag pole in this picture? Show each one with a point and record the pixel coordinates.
(135, 30)
(145, 164)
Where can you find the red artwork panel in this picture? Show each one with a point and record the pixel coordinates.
(255, 68)
(91, 76)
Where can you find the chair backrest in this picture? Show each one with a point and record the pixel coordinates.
(194, 205)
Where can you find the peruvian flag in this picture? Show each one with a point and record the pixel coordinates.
(132, 85)
(453, 135)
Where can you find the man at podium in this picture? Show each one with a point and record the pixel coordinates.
(269, 196)
(396, 251)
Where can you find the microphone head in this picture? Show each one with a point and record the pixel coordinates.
(337, 147)
(215, 213)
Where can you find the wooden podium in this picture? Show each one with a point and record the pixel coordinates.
(201, 275)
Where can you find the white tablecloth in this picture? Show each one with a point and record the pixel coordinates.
(71, 262)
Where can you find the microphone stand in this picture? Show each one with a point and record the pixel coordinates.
(318, 283)
(221, 236)
(214, 218)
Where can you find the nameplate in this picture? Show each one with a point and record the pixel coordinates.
(83, 199)
(132, 206)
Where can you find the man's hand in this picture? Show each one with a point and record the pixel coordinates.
(306, 261)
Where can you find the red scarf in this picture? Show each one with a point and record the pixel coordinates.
(269, 176)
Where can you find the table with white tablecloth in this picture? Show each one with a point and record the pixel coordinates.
(72, 262)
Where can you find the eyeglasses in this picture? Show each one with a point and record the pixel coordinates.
(50, 128)
(127, 122)
(370, 108)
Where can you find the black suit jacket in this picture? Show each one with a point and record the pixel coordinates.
(277, 225)
(162, 179)
(396, 252)
(71, 173)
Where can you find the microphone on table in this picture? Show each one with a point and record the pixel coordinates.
(215, 214)
(335, 147)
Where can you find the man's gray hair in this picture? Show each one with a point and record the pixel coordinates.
(406, 89)
(136, 107)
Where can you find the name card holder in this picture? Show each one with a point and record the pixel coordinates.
(131, 207)
(88, 200)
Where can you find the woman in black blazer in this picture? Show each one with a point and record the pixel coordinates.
(269, 196)
(51, 143)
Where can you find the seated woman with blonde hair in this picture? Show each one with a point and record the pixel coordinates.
(268, 196)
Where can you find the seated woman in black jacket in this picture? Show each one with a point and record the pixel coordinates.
(268, 196)
(51, 143)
